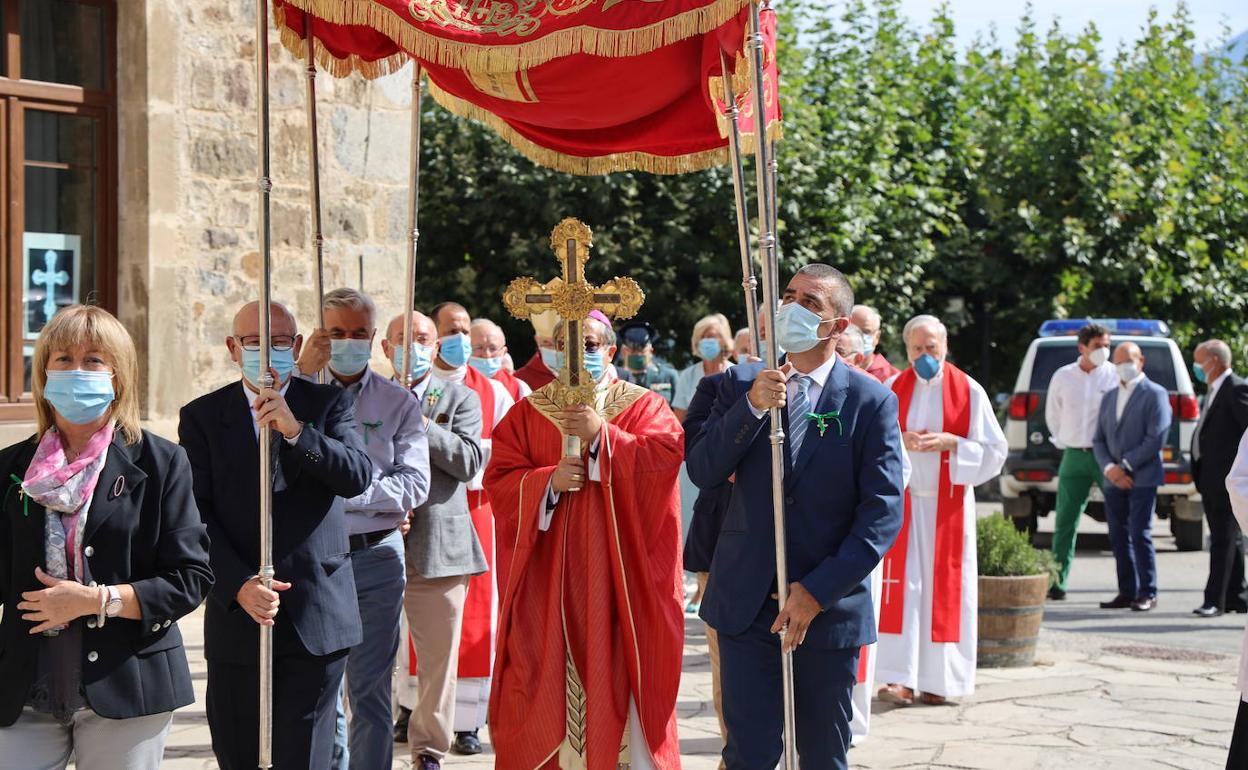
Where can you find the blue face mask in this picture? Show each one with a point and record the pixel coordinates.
(595, 363)
(349, 357)
(79, 396)
(487, 366)
(456, 349)
(282, 361)
(709, 348)
(1198, 372)
(742, 358)
(551, 359)
(926, 366)
(797, 329)
(422, 359)
(868, 346)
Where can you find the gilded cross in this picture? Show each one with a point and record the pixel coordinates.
(572, 298)
(49, 278)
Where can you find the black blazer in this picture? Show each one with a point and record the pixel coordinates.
(319, 613)
(712, 503)
(1225, 421)
(142, 529)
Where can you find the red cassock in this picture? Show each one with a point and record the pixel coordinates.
(592, 607)
(583, 86)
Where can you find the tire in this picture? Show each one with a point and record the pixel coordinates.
(1022, 512)
(1188, 535)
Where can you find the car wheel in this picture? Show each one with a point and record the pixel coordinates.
(1027, 524)
(1188, 535)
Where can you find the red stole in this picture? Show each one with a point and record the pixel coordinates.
(509, 382)
(477, 630)
(946, 586)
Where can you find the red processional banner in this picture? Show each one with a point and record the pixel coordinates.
(584, 86)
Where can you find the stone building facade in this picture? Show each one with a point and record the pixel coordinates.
(186, 201)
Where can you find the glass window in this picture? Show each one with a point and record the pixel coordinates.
(63, 42)
(59, 245)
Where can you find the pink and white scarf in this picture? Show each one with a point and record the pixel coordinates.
(65, 490)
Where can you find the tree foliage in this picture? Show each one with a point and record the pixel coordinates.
(995, 186)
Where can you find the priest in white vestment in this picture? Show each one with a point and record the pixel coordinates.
(928, 624)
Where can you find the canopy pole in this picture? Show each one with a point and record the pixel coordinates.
(413, 231)
(265, 759)
(749, 284)
(314, 181)
(767, 255)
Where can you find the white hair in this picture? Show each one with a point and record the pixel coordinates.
(855, 337)
(741, 333)
(870, 311)
(1219, 350)
(349, 299)
(487, 324)
(924, 320)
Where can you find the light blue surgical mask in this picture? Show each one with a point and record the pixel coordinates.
(551, 359)
(349, 357)
(422, 359)
(80, 396)
(709, 348)
(282, 361)
(927, 366)
(487, 366)
(595, 363)
(1198, 372)
(797, 329)
(868, 345)
(456, 349)
(742, 358)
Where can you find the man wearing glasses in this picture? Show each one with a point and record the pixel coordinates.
(317, 460)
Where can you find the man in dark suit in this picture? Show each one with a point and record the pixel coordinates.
(843, 496)
(1214, 444)
(318, 459)
(1130, 431)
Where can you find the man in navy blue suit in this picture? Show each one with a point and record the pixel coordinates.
(843, 498)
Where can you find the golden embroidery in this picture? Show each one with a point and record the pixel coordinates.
(572, 752)
(521, 18)
(511, 86)
(609, 402)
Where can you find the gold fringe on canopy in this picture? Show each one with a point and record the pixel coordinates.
(336, 67)
(510, 58)
(576, 164)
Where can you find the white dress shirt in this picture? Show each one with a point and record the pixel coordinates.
(1125, 390)
(1074, 401)
(1237, 488)
(818, 378)
(250, 395)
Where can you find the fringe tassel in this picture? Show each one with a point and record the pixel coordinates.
(510, 58)
(326, 62)
(575, 164)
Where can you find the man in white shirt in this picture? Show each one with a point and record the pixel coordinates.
(1070, 410)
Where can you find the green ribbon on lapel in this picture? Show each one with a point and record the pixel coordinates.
(370, 426)
(821, 421)
(20, 493)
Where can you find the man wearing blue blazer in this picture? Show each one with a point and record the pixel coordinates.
(1130, 431)
(843, 499)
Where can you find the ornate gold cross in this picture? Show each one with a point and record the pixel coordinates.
(572, 298)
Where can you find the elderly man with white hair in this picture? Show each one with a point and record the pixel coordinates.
(928, 626)
(851, 347)
(489, 356)
(867, 319)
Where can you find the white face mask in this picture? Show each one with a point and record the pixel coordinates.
(1099, 356)
(1127, 371)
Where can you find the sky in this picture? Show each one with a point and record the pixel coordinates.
(1117, 20)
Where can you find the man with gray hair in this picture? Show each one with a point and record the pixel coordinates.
(394, 436)
(928, 627)
(1214, 445)
(851, 347)
(875, 364)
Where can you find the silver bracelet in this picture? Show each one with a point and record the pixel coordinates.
(100, 616)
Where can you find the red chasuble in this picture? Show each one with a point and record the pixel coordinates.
(535, 373)
(478, 626)
(592, 607)
(509, 382)
(950, 518)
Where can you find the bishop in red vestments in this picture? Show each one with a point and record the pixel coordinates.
(592, 630)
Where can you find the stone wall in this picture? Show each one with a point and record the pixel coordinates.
(189, 208)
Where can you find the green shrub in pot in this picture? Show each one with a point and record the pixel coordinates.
(1006, 552)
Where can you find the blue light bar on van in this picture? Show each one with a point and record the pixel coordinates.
(1135, 327)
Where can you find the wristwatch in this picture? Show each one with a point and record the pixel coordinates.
(112, 608)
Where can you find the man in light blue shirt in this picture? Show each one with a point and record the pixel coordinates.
(394, 436)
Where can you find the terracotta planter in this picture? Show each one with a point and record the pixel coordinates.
(1010, 611)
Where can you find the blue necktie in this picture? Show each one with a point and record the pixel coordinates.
(798, 409)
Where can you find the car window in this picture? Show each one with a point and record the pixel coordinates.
(1158, 363)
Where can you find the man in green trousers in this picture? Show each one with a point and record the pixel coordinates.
(1070, 410)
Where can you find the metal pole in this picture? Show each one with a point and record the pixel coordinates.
(749, 284)
(413, 231)
(767, 255)
(265, 759)
(314, 181)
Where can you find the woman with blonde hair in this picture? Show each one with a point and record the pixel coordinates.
(101, 551)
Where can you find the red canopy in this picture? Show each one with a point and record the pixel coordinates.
(584, 86)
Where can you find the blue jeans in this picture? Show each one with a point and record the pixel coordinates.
(379, 584)
(1129, 514)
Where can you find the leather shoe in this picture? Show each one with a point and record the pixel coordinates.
(928, 699)
(1240, 609)
(896, 694)
(1117, 603)
(400, 725)
(426, 762)
(1057, 594)
(467, 743)
(1144, 605)
(1207, 611)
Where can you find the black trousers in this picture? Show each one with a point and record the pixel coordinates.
(1237, 759)
(1225, 588)
(305, 697)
